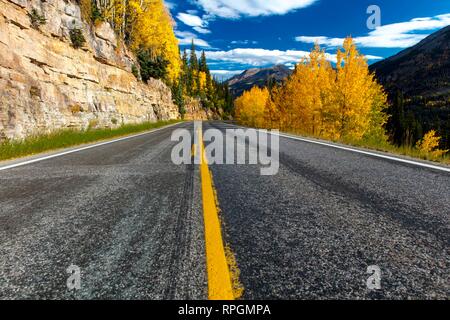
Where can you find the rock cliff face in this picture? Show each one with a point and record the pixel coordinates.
(195, 111)
(46, 84)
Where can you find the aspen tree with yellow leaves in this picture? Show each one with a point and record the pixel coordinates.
(429, 145)
(143, 25)
(356, 93)
(345, 103)
(250, 107)
(303, 101)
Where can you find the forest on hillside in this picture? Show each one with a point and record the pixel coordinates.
(418, 87)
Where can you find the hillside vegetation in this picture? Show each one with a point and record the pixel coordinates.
(417, 81)
(146, 27)
(195, 80)
(345, 104)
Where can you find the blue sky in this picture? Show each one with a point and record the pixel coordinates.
(242, 34)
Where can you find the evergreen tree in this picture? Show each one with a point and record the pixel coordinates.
(193, 62)
(152, 67)
(185, 63)
(228, 100)
(192, 76)
(185, 72)
(203, 66)
(178, 97)
(396, 125)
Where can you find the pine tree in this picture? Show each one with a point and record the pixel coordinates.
(397, 122)
(203, 66)
(184, 76)
(178, 97)
(193, 61)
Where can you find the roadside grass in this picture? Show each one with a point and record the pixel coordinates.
(69, 138)
(384, 146)
(408, 151)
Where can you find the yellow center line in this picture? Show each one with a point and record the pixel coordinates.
(219, 277)
(194, 150)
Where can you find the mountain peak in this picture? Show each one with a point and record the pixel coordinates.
(257, 77)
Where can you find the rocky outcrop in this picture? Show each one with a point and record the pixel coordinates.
(46, 84)
(195, 111)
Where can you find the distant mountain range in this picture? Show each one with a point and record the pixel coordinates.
(257, 77)
(422, 70)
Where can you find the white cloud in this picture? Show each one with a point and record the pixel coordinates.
(259, 58)
(264, 57)
(234, 9)
(186, 37)
(396, 35)
(202, 30)
(225, 74)
(190, 19)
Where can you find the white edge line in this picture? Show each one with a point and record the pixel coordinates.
(430, 166)
(15, 165)
(420, 164)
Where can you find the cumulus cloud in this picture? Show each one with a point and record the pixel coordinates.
(234, 9)
(197, 23)
(190, 19)
(256, 57)
(186, 37)
(202, 30)
(264, 57)
(396, 35)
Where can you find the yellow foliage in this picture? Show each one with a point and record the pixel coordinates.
(250, 107)
(271, 116)
(201, 80)
(146, 24)
(85, 8)
(430, 145)
(342, 103)
(303, 101)
(355, 92)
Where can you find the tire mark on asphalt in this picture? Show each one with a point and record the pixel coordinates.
(409, 219)
(182, 235)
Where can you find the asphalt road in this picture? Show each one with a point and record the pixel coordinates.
(133, 222)
(123, 213)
